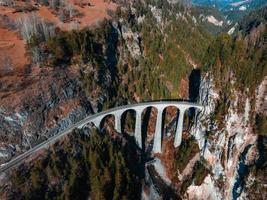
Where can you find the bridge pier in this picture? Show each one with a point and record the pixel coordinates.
(179, 129)
(138, 128)
(118, 121)
(158, 132)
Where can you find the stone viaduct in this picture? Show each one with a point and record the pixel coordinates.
(139, 108)
(117, 113)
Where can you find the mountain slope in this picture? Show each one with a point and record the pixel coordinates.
(234, 91)
(233, 9)
(151, 50)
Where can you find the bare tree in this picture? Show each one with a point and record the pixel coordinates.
(32, 24)
(54, 4)
(70, 10)
(8, 3)
(6, 66)
(74, 26)
(38, 55)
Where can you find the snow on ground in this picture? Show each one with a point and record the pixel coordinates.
(242, 8)
(236, 4)
(213, 20)
(194, 19)
(232, 30)
(207, 190)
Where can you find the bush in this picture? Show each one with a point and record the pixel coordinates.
(199, 173)
(186, 151)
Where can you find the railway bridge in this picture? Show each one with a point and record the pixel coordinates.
(139, 108)
(117, 112)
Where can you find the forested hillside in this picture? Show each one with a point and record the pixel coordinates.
(86, 164)
(152, 47)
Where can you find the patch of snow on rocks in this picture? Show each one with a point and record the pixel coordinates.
(194, 19)
(239, 3)
(242, 8)
(232, 30)
(213, 20)
(9, 119)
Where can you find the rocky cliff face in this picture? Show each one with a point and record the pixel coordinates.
(49, 101)
(229, 150)
(232, 153)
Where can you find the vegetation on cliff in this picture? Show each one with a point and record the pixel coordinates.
(83, 165)
(238, 66)
(168, 51)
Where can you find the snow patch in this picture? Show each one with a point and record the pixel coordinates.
(194, 19)
(242, 8)
(236, 4)
(232, 30)
(213, 20)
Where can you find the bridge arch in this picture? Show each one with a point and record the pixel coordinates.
(127, 115)
(170, 116)
(145, 117)
(106, 119)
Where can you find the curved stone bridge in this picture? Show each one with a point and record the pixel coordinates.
(117, 112)
(139, 108)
